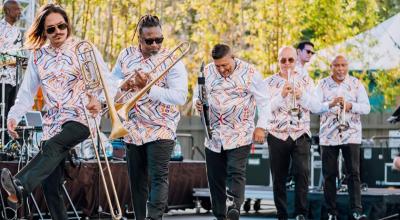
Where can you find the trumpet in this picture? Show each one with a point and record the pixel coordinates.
(294, 109)
(343, 124)
(183, 48)
(93, 81)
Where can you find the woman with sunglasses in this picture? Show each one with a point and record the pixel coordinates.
(152, 123)
(289, 134)
(54, 67)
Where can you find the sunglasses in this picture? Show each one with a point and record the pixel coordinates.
(284, 60)
(52, 29)
(150, 41)
(310, 52)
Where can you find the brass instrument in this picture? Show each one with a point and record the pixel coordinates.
(343, 124)
(93, 81)
(294, 109)
(183, 48)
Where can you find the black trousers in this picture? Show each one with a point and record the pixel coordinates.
(10, 92)
(47, 167)
(150, 159)
(351, 156)
(281, 153)
(226, 169)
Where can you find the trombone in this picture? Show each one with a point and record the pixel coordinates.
(93, 81)
(183, 48)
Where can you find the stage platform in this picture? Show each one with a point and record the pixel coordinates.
(188, 189)
(377, 202)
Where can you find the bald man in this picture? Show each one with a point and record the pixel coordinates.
(10, 39)
(289, 136)
(341, 131)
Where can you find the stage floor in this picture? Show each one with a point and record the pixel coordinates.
(188, 183)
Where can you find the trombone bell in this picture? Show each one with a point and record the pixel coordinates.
(94, 80)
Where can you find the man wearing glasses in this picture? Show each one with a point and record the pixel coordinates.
(152, 123)
(305, 50)
(10, 41)
(290, 95)
(53, 66)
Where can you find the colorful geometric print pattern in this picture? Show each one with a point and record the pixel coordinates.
(329, 133)
(232, 106)
(150, 120)
(62, 85)
(280, 122)
(10, 39)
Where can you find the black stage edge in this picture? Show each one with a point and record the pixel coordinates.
(377, 203)
(87, 192)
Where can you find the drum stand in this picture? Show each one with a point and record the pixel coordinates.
(25, 153)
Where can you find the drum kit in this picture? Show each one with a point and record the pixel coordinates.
(17, 59)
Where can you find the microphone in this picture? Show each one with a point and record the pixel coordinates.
(205, 117)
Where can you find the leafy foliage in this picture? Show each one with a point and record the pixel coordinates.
(255, 28)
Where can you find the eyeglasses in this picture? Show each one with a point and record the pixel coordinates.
(310, 52)
(150, 41)
(284, 60)
(52, 29)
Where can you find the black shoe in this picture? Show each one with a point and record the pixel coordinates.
(332, 217)
(300, 217)
(359, 216)
(233, 214)
(13, 189)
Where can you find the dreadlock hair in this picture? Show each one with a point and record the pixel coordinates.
(146, 21)
(36, 34)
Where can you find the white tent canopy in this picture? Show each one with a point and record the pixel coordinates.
(377, 48)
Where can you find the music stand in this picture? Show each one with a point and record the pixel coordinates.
(395, 116)
(393, 119)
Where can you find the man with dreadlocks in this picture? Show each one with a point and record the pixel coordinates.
(152, 123)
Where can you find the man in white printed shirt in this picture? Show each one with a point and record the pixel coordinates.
(153, 121)
(336, 92)
(234, 88)
(55, 67)
(305, 50)
(289, 137)
(10, 42)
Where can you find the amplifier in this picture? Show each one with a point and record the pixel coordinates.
(376, 167)
(258, 166)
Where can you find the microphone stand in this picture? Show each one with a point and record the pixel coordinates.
(3, 105)
(205, 117)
